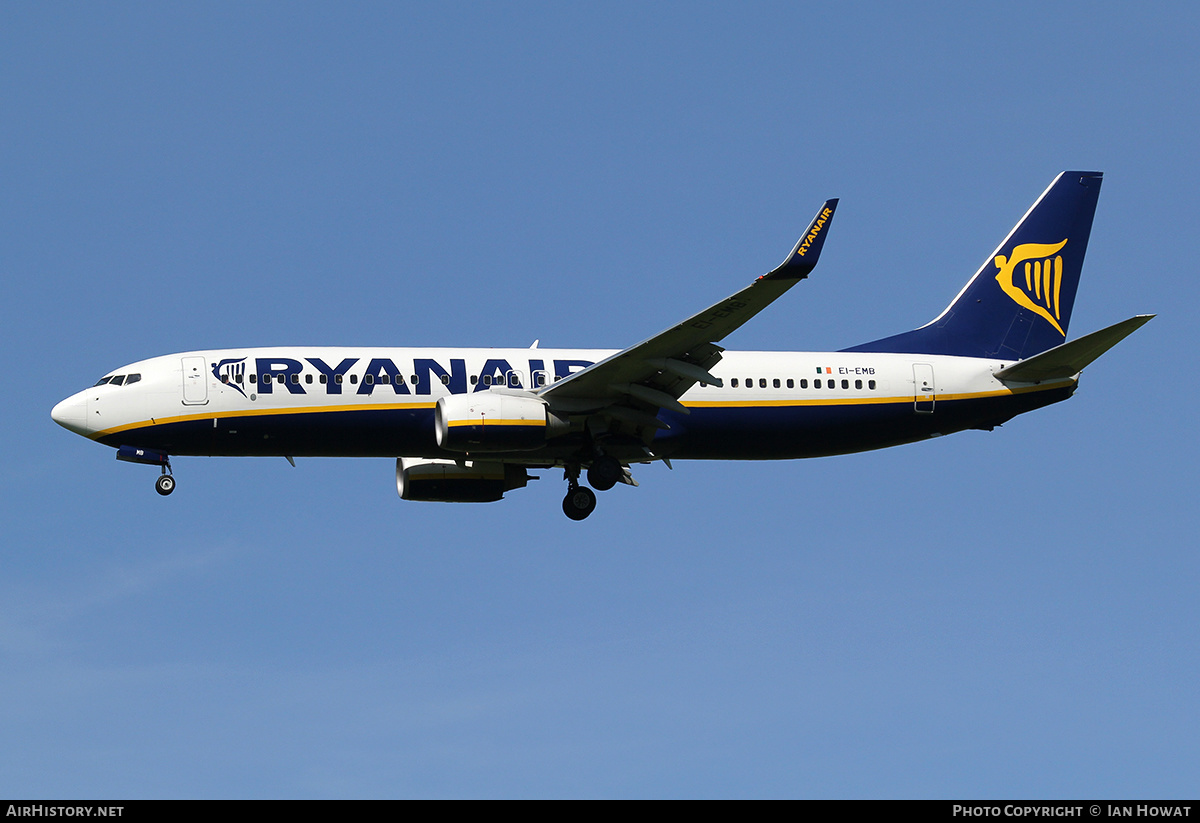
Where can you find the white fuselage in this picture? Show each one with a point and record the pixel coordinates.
(329, 401)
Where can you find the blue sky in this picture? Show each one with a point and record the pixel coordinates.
(987, 615)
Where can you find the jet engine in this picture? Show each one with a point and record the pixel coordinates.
(445, 481)
(492, 422)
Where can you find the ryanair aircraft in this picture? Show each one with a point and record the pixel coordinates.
(470, 424)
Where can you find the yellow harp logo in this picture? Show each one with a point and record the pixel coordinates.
(1043, 272)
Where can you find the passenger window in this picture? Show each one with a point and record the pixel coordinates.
(253, 378)
(474, 380)
(749, 382)
(308, 379)
(858, 384)
(733, 383)
(225, 378)
(353, 379)
(487, 380)
(415, 381)
(762, 382)
(804, 382)
(791, 383)
(845, 384)
(775, 382)
(445, 380)
(369, 379)
(871, 385)
(338, 378)
(817, 383)
(399, 380)
(325, 379)
(295, 379)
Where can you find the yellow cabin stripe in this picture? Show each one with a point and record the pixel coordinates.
(694, 404)
(162, 421)
(866, 401)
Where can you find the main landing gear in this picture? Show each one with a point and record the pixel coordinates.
(604, 473)
(579, 502)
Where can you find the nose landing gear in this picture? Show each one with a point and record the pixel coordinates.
(165, 484)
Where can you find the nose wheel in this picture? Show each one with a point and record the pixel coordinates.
(165, 484)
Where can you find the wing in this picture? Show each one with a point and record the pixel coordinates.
(632, 385)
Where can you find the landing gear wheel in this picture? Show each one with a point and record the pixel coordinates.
(164, 485)
(579, 502)
(604, 473)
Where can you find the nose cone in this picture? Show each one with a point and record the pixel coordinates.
(71, 413)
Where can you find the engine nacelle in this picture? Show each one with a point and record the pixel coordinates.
(491, 422)
(445, 481)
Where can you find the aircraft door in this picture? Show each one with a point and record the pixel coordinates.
(195, 382)
(923, 388)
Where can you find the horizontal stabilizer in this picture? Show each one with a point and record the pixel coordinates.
(1069, 359)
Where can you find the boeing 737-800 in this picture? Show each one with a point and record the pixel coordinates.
(469, 424)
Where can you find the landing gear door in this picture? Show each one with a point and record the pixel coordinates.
(923, 388)
(195, 382)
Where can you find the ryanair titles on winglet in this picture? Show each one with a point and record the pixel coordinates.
(383, 373)
(818, 225)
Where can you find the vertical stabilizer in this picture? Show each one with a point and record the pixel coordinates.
(1019, 303)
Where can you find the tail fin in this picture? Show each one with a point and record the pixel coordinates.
(1019, 303)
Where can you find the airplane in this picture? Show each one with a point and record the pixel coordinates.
(468, 425)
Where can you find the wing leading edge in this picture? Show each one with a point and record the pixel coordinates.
(633, 384)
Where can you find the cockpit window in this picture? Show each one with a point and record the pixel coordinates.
(118, 380)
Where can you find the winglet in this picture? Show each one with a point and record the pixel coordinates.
(803, 258)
